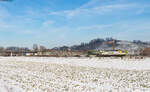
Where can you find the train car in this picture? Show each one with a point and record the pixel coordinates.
(107, 53)
(112, 53)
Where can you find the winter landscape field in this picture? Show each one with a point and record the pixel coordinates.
(50, 74)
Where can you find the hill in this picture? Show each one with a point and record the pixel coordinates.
(98, 44)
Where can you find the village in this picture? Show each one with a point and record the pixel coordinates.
(42, 51)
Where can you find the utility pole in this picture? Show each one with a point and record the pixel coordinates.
(110, 42)
(113, 45)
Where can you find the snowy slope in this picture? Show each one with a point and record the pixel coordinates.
(128, 46)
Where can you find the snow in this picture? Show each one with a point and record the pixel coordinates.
(51, 74)
(114, 63)
(8, 88)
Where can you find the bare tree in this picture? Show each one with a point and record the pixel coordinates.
(35, 47)
(2, 48)
(42, 48)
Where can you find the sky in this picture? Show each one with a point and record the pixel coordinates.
(68, 22)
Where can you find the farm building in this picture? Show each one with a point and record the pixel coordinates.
(146, 52)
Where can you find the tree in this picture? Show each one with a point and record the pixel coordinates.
(42, 48)
(35, 47)
(2, 48)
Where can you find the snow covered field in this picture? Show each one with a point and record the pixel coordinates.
(49, 74)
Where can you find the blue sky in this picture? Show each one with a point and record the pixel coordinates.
(67, 22)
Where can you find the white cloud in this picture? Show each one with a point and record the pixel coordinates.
(94, 27)
(102, 7)
(96, 10)
(137, 27)
(6, 26)
(90, 3)
(47, 23)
